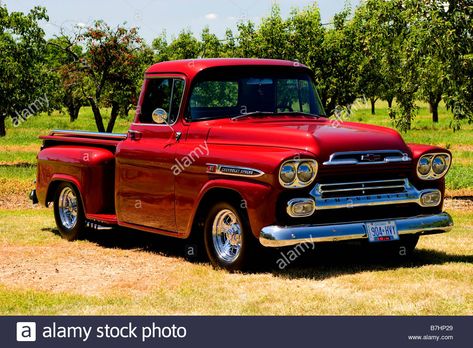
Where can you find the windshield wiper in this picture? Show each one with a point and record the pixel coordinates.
(255, 113)
(298, 113)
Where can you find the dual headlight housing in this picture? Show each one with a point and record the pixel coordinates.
(433, 166)
(297, 173)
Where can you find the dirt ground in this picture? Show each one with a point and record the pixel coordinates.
(87, 270)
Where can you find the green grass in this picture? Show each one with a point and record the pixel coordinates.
(120, 272)
(27, 132)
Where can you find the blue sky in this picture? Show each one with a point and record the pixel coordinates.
(154, 16)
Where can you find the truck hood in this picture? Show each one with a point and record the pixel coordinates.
(319, 136)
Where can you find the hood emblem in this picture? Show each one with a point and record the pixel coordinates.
(371, 157)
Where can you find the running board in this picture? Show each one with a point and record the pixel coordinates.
(96, 226)
(101, 221)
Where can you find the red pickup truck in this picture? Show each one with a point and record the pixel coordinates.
(239, 154)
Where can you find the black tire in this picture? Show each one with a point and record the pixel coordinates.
(75, 229)
(235, 261)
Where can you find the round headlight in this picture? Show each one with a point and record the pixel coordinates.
(423, 167)
(439, 164)
(288, 173)
(305, 172)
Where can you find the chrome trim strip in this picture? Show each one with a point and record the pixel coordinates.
(294, 201)
(87, 133)
(283, 236)
(410, 195)
(364, 182)
(403, 157)
(220, 169)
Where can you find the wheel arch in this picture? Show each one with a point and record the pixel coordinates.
(56, 181)
(248, 196)
(210, 197)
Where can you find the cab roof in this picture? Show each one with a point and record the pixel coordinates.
(191, 67)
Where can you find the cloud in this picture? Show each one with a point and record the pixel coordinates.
(211, 16)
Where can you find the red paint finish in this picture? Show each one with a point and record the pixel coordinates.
(146, 182)
(89, 169)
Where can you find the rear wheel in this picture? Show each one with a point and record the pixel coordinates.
(68, 212)
(228, 239)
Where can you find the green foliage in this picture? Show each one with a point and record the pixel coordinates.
(22, 67)
(109, 70)
(402, 50)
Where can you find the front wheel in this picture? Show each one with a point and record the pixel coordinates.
(228, 239)
(68, 212)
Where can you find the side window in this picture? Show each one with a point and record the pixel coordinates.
(177, 92)
(163, 93)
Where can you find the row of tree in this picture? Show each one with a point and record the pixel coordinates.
(402, 50)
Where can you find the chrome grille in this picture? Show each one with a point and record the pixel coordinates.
(362, 188)
(367, 157)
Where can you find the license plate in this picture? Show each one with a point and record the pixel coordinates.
(382, 231)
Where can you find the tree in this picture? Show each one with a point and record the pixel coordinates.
(161, 48)
(273, 37)
(307, 37)
(371, 82)
(339, 69)
(63, 91)
(107, 71)
(247, 40)
(211, 46)
(445, 39)
(21, 65)
(184, 46)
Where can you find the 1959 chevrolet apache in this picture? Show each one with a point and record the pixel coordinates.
(239, 153)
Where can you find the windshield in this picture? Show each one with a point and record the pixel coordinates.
(229, 92)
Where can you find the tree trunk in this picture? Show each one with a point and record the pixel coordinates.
(113, 117)
(3, 131)
(97, 115)
(435, 113)
(373, 102)
(390, 102)
(434, 108)
(73, 111)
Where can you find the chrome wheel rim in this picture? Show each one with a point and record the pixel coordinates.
(226, 235)
(67, 207)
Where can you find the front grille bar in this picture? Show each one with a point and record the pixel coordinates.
(383, 186)
(367, 157)
(366, 193)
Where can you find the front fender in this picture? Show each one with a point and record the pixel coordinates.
(259, 200)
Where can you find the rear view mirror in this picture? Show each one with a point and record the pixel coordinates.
(159, 116)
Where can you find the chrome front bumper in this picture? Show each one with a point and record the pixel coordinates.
(281, 236)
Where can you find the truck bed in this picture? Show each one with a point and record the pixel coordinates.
(82, 137)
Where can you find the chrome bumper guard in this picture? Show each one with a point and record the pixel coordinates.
(408, 194)
(282, 236)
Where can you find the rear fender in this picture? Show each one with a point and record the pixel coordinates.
(90, 169)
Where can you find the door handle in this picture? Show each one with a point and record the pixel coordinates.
(134, 134)
(178, 136)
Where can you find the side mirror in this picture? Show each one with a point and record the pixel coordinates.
(160, 116)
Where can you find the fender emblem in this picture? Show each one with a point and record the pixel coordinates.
(233, 170)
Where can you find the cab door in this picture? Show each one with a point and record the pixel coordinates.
(144, 192)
